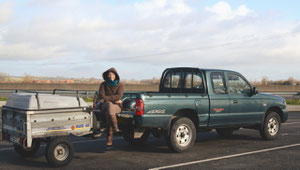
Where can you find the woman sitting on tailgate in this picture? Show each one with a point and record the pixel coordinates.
(111, 92)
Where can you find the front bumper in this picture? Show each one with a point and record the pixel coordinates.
(284, 115)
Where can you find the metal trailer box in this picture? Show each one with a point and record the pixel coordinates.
(27, 116)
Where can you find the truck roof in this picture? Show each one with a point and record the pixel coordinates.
(202, 69)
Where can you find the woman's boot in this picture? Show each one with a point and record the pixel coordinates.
(109, 139)
(114, 123)
(109, 136)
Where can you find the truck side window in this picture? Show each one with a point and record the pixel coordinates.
(193, 83)
(237, 84)
(198, 82)
(218, 83)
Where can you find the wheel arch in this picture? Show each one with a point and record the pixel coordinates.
(274, 109)
(188, 113)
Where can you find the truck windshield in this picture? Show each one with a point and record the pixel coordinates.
(237, 85)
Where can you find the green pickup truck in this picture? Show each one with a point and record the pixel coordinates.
(194, 100)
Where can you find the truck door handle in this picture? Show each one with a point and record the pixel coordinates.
(234, 101)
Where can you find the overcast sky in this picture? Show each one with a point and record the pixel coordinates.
(83, 38)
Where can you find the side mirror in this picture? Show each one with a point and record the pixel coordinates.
(254, 90)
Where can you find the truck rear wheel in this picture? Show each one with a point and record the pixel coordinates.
(182, 135)
(225, 132)
(28, 152)
(129, 137)
(59, 152)
(271, 126)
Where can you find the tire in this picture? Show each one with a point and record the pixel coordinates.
(182, 135)
(59, 152)
(28, 152)
(96, 123)
(271, 126)
(129, 137)
(225, 132)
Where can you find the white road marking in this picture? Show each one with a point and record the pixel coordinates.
(284, 134)
(225, 157)
(83, 141)
(6, 149)
(291, 123)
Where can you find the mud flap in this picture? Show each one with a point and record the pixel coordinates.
(138, 133)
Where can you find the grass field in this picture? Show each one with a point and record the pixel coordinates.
(87, 99)
(293, 101)
(3, 98)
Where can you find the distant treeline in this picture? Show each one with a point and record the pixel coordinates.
(128, 87)
(73, 86)
(6, 78)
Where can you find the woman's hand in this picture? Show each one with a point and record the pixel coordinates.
(118, 102)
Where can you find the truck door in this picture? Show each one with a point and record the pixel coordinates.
(245, 107)
(219, 100)
(194, 87)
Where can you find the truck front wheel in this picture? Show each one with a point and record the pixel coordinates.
(59, 152)
(182, 135)
(271, 126)
(28, 152)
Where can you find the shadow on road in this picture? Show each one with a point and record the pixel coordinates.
(159, 145)
(37, 161)
(93, 150)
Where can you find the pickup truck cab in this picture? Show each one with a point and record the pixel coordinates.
(192, 100)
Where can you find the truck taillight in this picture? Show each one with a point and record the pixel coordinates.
(139, 106)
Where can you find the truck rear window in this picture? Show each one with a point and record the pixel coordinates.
(172, 80)
(184, 82)
(176, 80)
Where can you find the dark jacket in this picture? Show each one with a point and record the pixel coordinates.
(109, 93)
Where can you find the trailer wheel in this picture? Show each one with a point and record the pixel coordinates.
(182, 135)
(28, 152)
(271, 126)
(225, 132)
(59, 152)
(129, 137)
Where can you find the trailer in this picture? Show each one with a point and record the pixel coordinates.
(29, 118)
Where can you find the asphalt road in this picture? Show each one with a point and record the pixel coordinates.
(245, 150)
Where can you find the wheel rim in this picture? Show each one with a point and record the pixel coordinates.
(183, 135)
(273, 126)
(61, 152)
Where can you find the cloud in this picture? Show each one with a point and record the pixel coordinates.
(288, 49)
(21, 50)
(6, 12)
(162, 7)
(53, 3)
(223, 11)
(156, 33)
